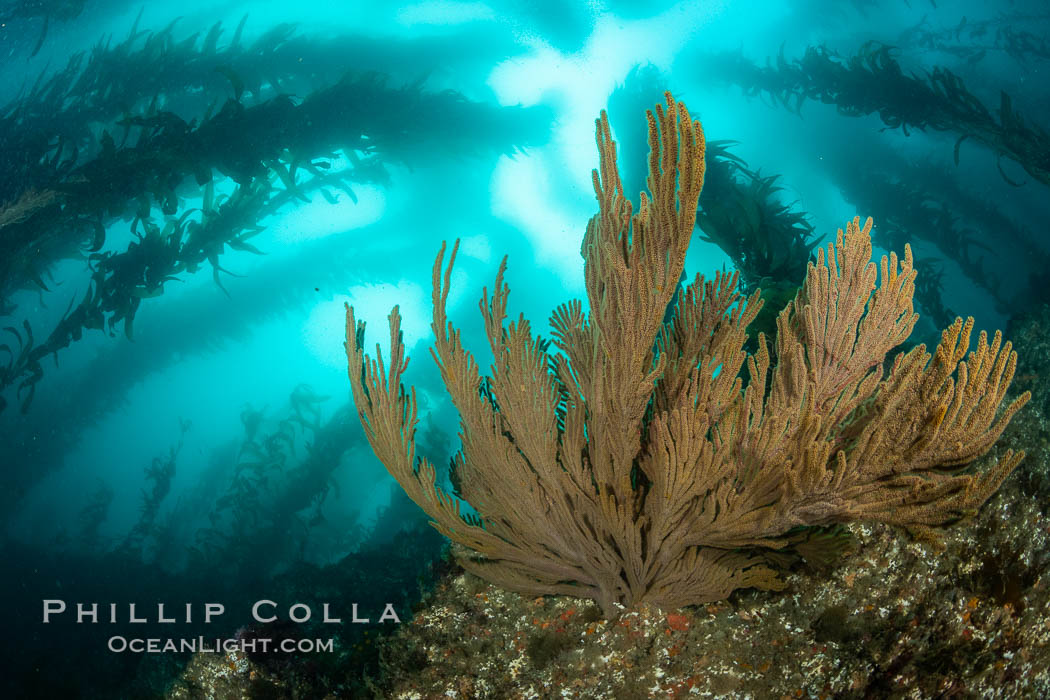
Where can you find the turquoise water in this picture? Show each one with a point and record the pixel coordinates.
(193, 191)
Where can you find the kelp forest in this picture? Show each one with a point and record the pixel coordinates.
(189, 195)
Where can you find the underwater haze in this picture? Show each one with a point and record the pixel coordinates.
(191, 193)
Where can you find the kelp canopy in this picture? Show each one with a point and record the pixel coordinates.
(63, 183)
(873, 82)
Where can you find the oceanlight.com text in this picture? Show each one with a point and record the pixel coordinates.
(156, 645)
